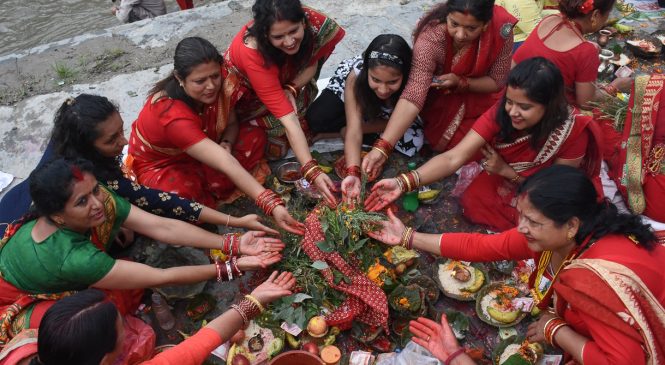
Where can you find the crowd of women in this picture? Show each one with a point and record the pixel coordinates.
(513, 115)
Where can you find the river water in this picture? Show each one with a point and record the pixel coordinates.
(28, 23)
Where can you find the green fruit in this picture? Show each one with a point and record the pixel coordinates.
(535, 311)
(428, 194)
(503, 317)
(293, 342)
(275, 347)
(329, 340)
(479, 280)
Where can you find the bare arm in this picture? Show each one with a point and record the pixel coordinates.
(132, 275)
(305, 76)
(231, 130)
(210, 153)
(354, 134)
(447, 163)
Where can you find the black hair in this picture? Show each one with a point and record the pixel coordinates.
(189, 53)
(268, 12)
(561, 192)
(542, 83)
(51, 184)
(482, 10)
(392, 45)
(75, 131)
(78, 330)
(571, 8)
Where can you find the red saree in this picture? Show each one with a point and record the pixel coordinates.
(489, 199)
(165, 128)
(449, 116)
(257, 91)
(636, 155)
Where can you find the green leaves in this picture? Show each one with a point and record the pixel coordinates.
(325, 246)
(319, 265)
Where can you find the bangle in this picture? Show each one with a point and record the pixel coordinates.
(408, 181)
(222, 273)
(554, 331)
(247, 309)
(611, 89)
(353, 170)
(452, 356)
(255, 301)
(234, 267)
(383, 146)
(410, 245)
(380, 151)
(292, 89)
(268, 201)
(228, 219)
(245, 320)
(407, 238)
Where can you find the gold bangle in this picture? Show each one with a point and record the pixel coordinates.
(381, 151)
(408, 183)
(255, 301)
(308, 171)
(515, 179)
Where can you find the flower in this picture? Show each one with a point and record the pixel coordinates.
(375, 271)
(404, 302)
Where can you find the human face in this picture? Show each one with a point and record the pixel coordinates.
(84, 209)
(524, 113)
(204, 82)
(111, 357)
(542, 233)
(464, 28)
(384, 80)
(111, 136)
(287, 36)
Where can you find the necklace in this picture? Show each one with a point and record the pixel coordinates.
(544, 297)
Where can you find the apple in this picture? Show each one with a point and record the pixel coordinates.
(311, 347)
(317, 326)
(240, 360)
(238, 337)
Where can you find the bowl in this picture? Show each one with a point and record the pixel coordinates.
(485, 317)
(289, 172)
(296, 357)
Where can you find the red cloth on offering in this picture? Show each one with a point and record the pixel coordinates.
(365, 302)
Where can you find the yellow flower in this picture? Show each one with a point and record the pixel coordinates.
(404, 303)
(374, 273)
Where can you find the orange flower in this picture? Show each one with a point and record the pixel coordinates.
(404, 302)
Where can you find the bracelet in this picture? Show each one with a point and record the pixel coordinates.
(218, 267)
(255, 301)
(462, 85)
(231, 244)
(228, 218)
(611, 89)
(245, 320)
(452, 356)
(222, 271)
(413, 234)
(229, 270)
(408, 181)
(268, 201)
(516, 179)
(407, 238)
(553, 333)
(384, 147)
(353, 170)
(234, 267)
(311, 170)
(551, 326)
(247, 309)
(292, 89)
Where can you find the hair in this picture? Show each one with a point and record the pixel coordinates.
(562, 192)
(75, 130)
(571, 8)
(542, 82)
(482, 10)
(51, 184)
(189, 53)
(268, 12)
(391, 44)
(78, 330)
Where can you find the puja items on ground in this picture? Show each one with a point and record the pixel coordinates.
(496, 305)
(517, 351)
(460, 280)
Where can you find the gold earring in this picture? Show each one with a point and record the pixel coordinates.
(571, 236)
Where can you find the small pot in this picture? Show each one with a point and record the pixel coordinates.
(604, 37)
(297, 357)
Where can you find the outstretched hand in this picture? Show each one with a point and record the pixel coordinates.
(326, 187)
(260, 261)
(286, 222)
(275, 287)
(372, 164)
(437, 338)
(253, 223)
(351, 190)
(391, 230)
(383, 193)
(255, 242)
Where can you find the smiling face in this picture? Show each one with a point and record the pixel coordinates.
(384, 80)
(111, 137)
(542, 233)
(287, 36)
(203, 83)
(84, 208)
(524, 113)
(464, 28)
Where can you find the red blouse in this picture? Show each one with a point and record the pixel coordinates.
(193, 351)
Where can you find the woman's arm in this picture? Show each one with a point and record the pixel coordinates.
(230, 132)
(354, 134)
(133, 275)
(305, 76)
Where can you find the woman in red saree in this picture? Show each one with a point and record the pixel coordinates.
(636, 155)
(599, 272)
(270, 70)
(461, 57)
(186, 140)
(533, 127)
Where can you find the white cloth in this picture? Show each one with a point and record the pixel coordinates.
(142, 9)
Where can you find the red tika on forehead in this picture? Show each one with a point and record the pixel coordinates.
(76, 172)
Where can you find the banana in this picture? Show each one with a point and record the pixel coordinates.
(503, 317)
(479, 280)
(326, 169)
(428, 194)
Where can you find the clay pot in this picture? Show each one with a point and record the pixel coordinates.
(296, 357)
(604, 37)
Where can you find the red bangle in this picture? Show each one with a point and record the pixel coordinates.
(452, 356)
(353, 170)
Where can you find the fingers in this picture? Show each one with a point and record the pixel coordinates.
(269, 230)
(445, 326)
(272, 277)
